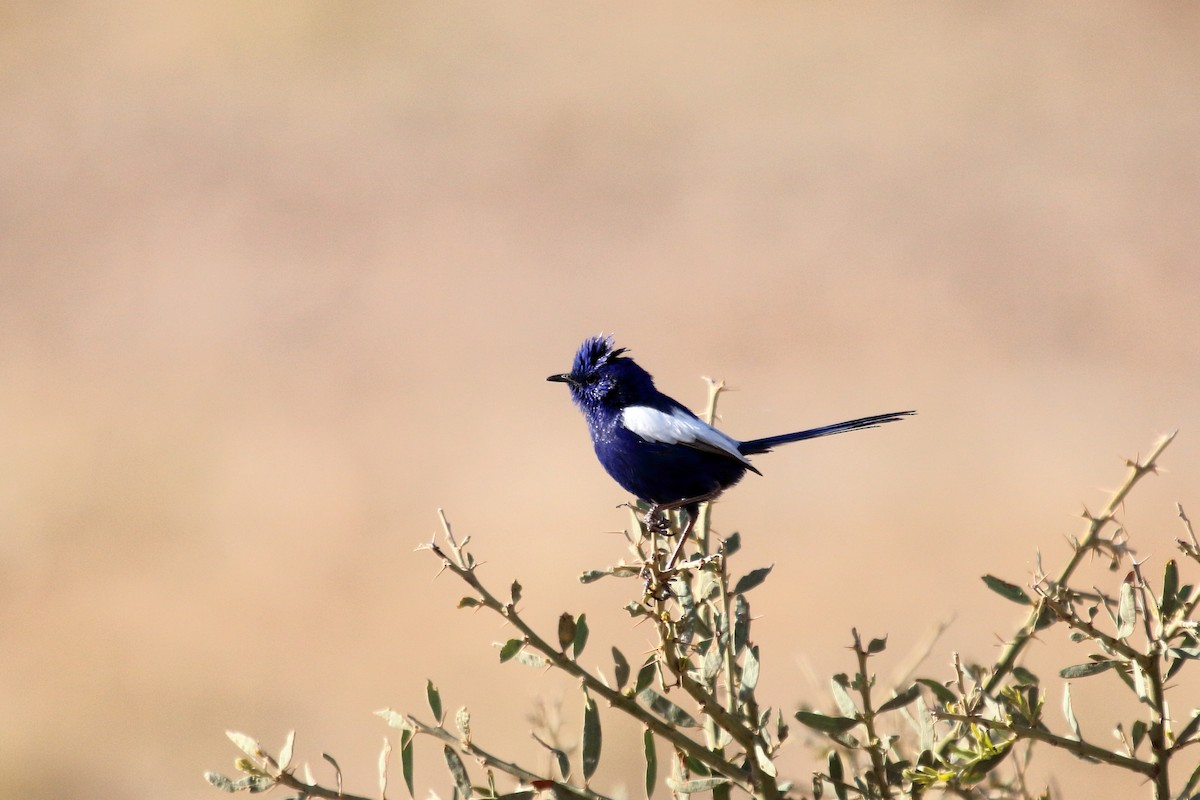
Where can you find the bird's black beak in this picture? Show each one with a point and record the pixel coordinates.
(564, 378)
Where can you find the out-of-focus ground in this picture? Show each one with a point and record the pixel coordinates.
(279, 280)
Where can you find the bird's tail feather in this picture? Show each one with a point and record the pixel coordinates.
(755, 446)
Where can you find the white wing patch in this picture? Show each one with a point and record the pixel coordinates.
(679, 427)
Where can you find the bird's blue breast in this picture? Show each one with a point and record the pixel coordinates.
(659, 472)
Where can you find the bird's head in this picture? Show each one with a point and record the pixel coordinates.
(602, 376)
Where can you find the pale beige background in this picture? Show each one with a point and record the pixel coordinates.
(280, 279)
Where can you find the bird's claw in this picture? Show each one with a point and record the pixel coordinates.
(657, 522)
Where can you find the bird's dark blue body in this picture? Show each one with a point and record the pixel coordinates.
(655, 448)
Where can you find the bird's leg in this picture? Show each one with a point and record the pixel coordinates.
(692, 505)
(683, 537)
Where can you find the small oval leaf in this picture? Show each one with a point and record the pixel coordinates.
(942, 694)
(1008, 591)
(902, 699)
(752, 579)
(579, 641)
(510, 649)
(1126, 611)
(651, 762)
(666, 709)
(620, 668)
(1084, 670)
(591, 737)
(825, 724)
(458, 771)
(435, 700)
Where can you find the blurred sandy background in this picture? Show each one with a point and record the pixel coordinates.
(280, 279)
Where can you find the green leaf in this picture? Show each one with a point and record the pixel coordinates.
(458, 771)
(764, 761)
(406, 757)
(924, 720)
(707, 586)
(581, 635)
(591, 737)
(752, 579)
(837, 772)
(435, 701)
(825, 724)
(1024, 676)
(566, 631)
(1192, 782)
(1045, 618)
(1086, 670)
(979, 769)
(620, 668)
(516, 592)
(645, 676)
(942, 694)
(902, 699)
(731, 545)
(876, 646)
(841, 696)
(1170, 592)
(593, 575)
(1007, 590)
(741, 622)
(1140, 728)
(1126, 611)
(1188, 730)
(564, 763)
(651, 762)
(468, 602)
(510, 649)
(666, 709)
(713, 660)
(750, 671)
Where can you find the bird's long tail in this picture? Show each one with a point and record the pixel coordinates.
(755, 446)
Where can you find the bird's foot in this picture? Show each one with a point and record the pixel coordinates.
(656, 586)
(657, 522)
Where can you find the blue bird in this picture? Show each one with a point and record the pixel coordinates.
(657, 449)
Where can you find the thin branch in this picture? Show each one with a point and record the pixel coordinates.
(1077, 622)
(1079, 748)
(1090, 541)
(614, 698)
(874, 749)
(312, 790)
(490, 760)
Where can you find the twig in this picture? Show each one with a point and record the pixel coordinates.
(614, 698)
(1137, 470)
(491, 760)
(286, 778)
(874, 746)
(1079, 748)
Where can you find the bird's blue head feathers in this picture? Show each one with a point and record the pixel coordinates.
(602, 375)
(594, 353)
